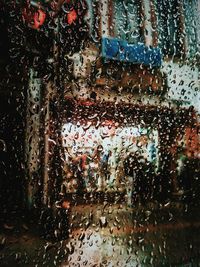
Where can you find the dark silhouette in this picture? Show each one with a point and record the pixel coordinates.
(140, 170)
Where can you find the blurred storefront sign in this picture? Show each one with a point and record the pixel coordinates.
(120, 50)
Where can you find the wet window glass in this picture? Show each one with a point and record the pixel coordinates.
(127, 19)
(99, 133)
(170, 25)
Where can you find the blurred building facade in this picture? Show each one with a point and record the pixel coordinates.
(134, 81)
(138, 76)
(131, 88)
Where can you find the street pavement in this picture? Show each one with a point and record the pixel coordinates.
(106, 234)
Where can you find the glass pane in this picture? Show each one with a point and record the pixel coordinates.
(190, 12)
(99, 133)
(169, 14)
(127, 20)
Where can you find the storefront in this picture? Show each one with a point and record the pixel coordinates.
(101, 150)
(98, 139)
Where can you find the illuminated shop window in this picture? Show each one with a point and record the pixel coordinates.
(91, 147)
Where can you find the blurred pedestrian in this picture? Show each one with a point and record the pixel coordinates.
(138, 188)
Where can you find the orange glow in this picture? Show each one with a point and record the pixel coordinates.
(66, 205)
(39, 19)
(71, 16)
(192, 140)
(86, 103)
(34, 19)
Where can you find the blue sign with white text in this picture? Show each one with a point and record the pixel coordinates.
(121, 50)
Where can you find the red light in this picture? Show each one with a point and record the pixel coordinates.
(34, 19)
(71, 16)
(39, 19)
(86, 103)
(66, 204)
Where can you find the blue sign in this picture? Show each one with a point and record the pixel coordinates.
(120, 50)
